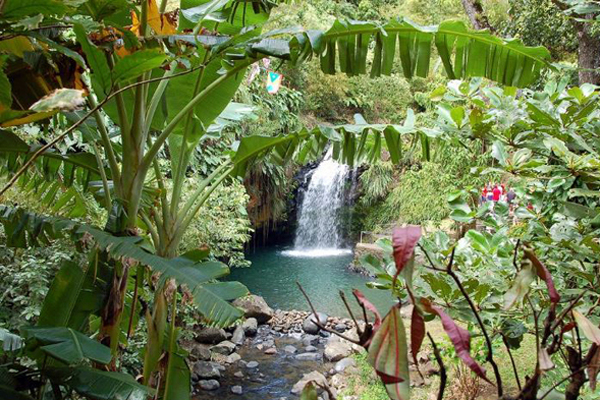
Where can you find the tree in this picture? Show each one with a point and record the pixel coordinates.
(137, 67)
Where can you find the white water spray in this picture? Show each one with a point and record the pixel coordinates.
(318, 233)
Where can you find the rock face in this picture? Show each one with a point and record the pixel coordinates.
(211, 335)
(313, 376)
(210, 384)
(309, 325)
(250, 326)
(225, 348)
(239, 335)
(255, 307)
(206, 370)
(335, 350)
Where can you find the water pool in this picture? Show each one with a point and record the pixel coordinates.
(275, 271)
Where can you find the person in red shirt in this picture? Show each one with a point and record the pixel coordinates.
(496, 193)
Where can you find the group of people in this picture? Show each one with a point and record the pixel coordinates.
(496, 193)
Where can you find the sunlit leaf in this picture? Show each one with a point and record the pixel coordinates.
(589, 329)
(520, 287)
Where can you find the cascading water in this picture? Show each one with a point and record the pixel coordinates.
(318, 232)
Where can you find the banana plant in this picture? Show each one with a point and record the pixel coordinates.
(159, 86)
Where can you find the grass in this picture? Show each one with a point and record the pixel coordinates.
(366, 385)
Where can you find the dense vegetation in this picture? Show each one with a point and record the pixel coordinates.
(139, 153)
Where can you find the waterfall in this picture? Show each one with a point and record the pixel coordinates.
(319, 232)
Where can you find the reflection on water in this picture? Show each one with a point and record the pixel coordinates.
(275, 271)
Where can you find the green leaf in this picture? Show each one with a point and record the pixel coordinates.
(5, 89)
(309, 392)
(499, 153)
(73, 295)
(10, 341)
(69, 346)
(60, 100)
(178, 379)
(520, 287)
(134, 65)
(96, 60)
(17, 9)
(103, 385)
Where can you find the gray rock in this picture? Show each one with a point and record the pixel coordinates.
(238, 335)
(252, 365)
(335, 350)
(239, 374)
(206, 370)
(225, 348)
(290, 349)
(250, 326)
(211, 335)
(344, 363)
(296, 335)
(210, 384)
(236, 389)
(310, 340)
(255, 307)
(308, 357)
(340, 328)
(200, 352)
(311, 377)
(310, 349)
(309, 325)
(233, 358)
(271, 350)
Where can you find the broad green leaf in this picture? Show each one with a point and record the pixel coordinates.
(103, 385)
(17, 9)
(73, 295)
(5, 89)
(60, 100)
(520, 287)
(499, 153)
(177, 385)
(96, 60)
(134, 65)
(10, 341)
(69, 346)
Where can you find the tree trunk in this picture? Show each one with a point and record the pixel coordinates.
(589, 55)
(476, 15)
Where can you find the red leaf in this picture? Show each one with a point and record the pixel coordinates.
(544, 274)
(460, 338)
(369, 306)
(388, 355)
(404, 241)
(417, 333)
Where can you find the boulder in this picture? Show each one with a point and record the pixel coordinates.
(340, 328)
(314, 376)
(255, 307)
(200, 352)
(252, 364)
(310, 340)
(233, 358)
(225, 348)
(239, 374)
(211, 335)
(310, 349)
(290, 349)
(206, 370)
(210, 384)
(309, 325)
(239, 335)
(344, 363)
(250, 326)
(335, 350)
(308, 357)
(236, 389)
(271, 351)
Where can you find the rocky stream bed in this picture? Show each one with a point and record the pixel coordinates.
(274, 354)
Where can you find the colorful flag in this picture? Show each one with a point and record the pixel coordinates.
(273, 82)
